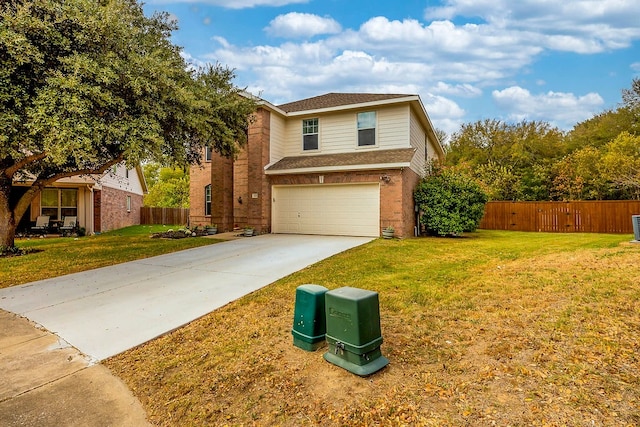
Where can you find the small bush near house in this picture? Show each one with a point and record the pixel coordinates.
(450, 203)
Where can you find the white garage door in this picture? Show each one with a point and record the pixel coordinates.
(344, 210)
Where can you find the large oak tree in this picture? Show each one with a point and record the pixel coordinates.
(86, 84)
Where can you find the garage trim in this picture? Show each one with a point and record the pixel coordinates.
(351, 209)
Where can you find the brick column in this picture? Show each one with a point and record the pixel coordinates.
(258, 190)
(222, 193)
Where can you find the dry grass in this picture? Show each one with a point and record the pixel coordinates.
(496, 329)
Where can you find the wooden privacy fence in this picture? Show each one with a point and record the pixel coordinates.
(164, 216)
(583, 216)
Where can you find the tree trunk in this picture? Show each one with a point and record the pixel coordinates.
(7, 218)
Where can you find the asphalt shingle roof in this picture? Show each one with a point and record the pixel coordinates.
(330, 100)
(372, 157)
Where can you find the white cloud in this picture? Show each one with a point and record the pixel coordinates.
(464, 90)
(445, 62)
(295, 25)
(561, 109)
(234, 4)
(582, 26)
(392, 53)
(411, 38)
(445, 114)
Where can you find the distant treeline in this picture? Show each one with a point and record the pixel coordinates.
(599, 159)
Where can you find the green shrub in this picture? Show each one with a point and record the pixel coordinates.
(450, 203)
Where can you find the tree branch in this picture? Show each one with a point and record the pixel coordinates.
(41, 183)
(11, 170)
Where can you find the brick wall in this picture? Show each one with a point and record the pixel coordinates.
(199, 177)
(411, 180)
(114, 213)
(251, 191)
(222, 178)
(258, 190)
(97, 210)
(241, 189)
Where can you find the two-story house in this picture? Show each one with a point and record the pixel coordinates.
(336, 164)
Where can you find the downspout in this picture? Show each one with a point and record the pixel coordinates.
(90, 224)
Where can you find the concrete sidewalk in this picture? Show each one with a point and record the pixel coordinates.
(63, 326)
(45, 383)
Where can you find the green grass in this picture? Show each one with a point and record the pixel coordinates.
(56, 256)
(496, 328)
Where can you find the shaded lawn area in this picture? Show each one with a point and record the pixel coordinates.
(56, 256)
(497, 328)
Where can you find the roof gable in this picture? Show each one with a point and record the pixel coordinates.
(331, 100)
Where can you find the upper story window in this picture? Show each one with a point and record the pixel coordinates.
(207, 154)
(310, 134)
(366, 129)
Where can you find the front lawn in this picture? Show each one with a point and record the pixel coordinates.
(497, 328)
(55, 256)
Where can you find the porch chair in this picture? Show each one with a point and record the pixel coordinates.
(42, 225)
(69, 225)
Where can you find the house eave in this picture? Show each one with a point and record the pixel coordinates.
(409, 98)
(344, 168)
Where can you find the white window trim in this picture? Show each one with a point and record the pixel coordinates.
(59, 205)
(377, 140)
(315, 150)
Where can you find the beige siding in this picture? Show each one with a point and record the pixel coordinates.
(292, 137)
(432, 151)
(338, 132)
(393, 127)
(277, 141)
(418, 140)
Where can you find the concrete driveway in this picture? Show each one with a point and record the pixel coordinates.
(106, 311)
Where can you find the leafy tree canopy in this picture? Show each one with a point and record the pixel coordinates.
(534, 161)
(86, 84)
(168, 186)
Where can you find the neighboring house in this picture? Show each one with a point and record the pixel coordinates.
(336, 164)
(101, 203)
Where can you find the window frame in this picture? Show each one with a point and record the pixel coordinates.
(207, 200)
(128, 203)
(305, 132)
(207, 154)
(60, 210)
(367, 129)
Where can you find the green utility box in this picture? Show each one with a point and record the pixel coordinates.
(353, 330)
(309, 324)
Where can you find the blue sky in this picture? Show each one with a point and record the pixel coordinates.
(559, 61)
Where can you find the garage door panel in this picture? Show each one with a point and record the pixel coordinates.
(327, 209)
